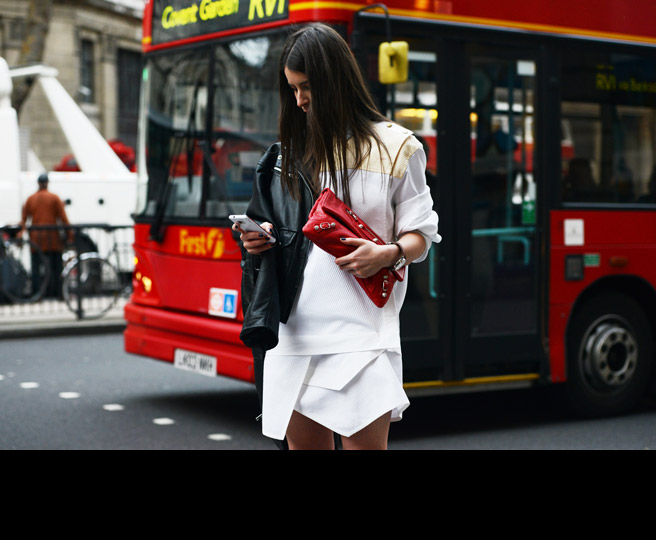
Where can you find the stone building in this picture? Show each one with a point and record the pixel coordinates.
(96, 47)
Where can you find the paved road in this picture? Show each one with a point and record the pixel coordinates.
(85, 392)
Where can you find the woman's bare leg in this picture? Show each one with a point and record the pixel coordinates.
(306, 434)
(372, 437)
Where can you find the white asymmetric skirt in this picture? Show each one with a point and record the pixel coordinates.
(344, 392)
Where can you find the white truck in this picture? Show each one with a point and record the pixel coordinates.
(104, 191)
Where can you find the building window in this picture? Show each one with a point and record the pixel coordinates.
(87, 88)
(129, 86)
(16, 30)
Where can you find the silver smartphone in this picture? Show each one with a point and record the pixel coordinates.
(248, 225)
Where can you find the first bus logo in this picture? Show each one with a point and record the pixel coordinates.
(209, 243)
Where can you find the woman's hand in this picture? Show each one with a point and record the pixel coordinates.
(255, 243)
(367, 258)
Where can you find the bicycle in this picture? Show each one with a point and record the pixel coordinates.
(24, 270)
(92, 285)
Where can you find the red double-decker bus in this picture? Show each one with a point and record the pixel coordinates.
(539, 121)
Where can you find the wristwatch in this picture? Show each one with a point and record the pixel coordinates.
(400, 263)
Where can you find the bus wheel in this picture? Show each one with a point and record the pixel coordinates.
(609, 355)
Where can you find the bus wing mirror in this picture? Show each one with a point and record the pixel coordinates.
(393, 62)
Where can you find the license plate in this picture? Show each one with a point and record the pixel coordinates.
(196, 362)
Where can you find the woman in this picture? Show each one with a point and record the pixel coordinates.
(333, 359)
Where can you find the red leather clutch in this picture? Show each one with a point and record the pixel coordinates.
(330, 220)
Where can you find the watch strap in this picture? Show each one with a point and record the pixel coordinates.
(398, 244)
(401, 261)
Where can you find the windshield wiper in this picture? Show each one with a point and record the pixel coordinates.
(157, 227)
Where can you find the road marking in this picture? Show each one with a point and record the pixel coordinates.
(113, 407)
(69, 395)
(163, 421)
(219, 437)
(29, 385)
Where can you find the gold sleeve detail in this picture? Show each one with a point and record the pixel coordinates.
(400, 166)
(398, 146)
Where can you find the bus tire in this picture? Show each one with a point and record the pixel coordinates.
(609, 355)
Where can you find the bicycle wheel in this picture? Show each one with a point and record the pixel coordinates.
(24, 271)
(90, 286)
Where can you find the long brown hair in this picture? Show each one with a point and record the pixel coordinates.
(341, 108)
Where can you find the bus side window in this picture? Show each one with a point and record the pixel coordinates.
(608, 109)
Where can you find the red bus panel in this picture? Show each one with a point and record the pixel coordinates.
(602, 244)
(187, 296)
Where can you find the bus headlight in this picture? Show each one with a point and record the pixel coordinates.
(147, 283)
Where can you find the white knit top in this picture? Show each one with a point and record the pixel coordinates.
(332, 314)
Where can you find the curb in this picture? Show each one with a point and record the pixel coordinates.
(52, 318)
(75, 328)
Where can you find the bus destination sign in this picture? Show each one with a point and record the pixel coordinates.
(181, 19)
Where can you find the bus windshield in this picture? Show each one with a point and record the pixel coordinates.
(211, 112)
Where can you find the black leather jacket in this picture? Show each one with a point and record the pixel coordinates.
(270, 282)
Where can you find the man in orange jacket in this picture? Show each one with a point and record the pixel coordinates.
(46, 208)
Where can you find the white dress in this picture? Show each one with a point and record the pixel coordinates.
(338, 360)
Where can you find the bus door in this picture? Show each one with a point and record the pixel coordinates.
(496, 265)
(471, 307)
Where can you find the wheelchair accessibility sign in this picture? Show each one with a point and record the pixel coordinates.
(223, 303)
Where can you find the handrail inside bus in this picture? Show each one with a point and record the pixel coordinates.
(503, 230)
